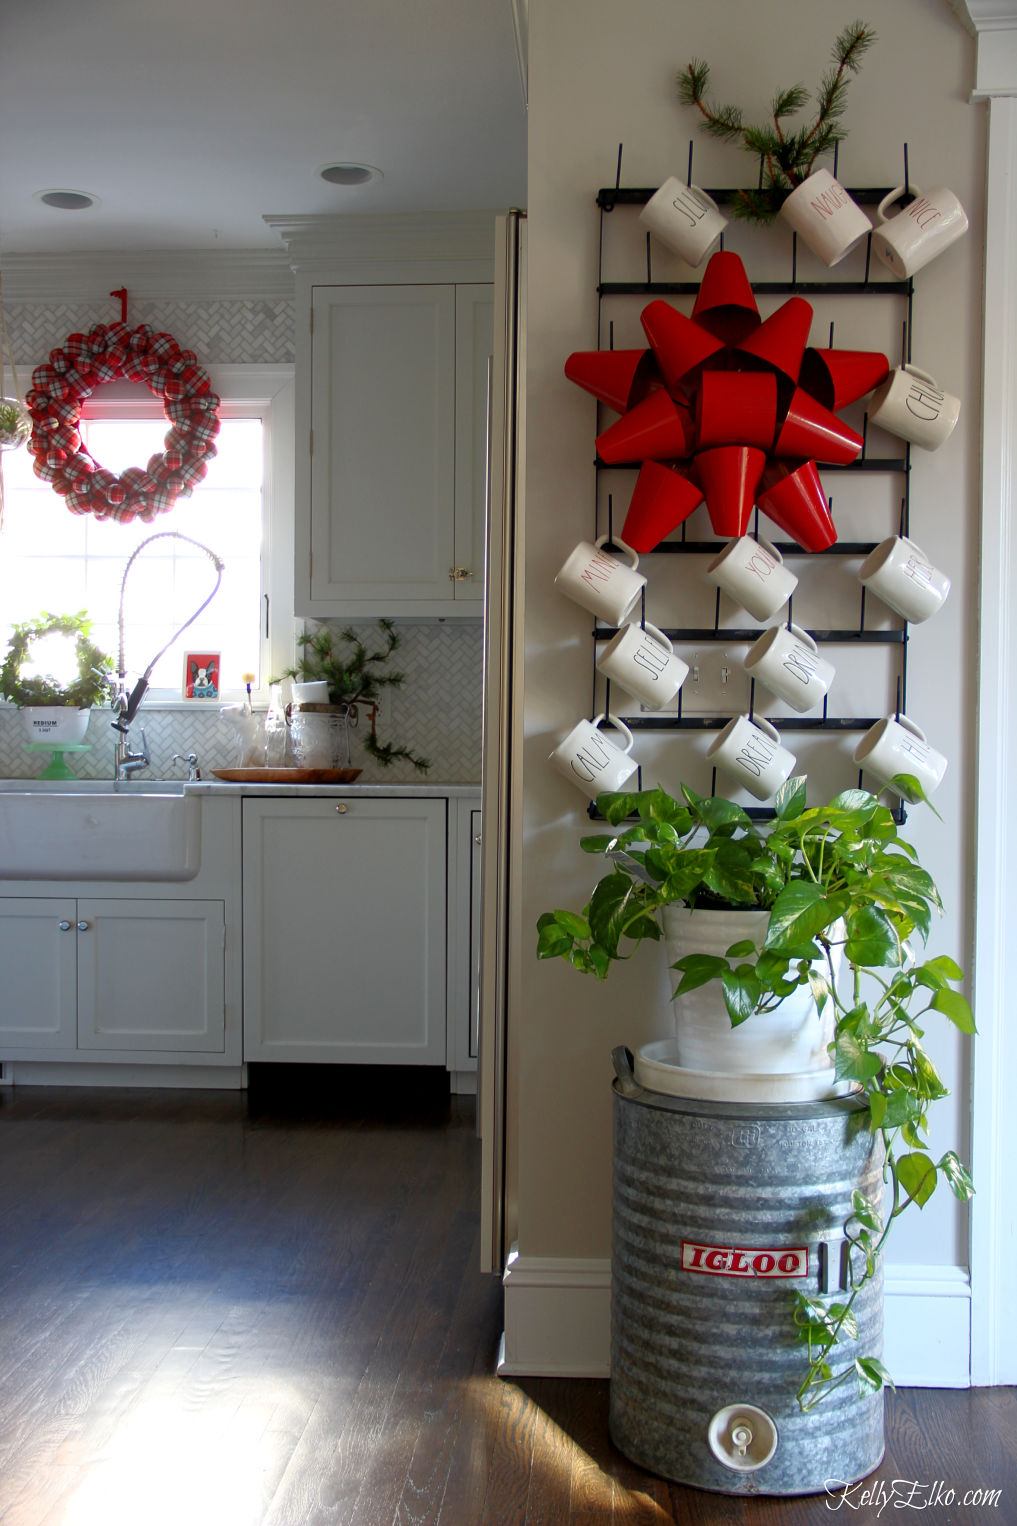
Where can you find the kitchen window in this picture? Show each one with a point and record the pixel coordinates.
(51, 559)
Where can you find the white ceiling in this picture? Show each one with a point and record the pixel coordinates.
(191, 119)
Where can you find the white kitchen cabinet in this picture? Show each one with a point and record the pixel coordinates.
(111, 978)
(345, 930)
(392, 508)
(464, 942)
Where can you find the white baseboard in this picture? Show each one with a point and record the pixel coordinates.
(558, 1321)
(69, 1073)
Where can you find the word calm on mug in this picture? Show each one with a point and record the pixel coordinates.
(915, 234)
(607, 587)
(787, 661)
(898, 746)
(753, 573)
(904, 578)
(591, 761)
(823, 214)
(644, 663)
(685, 219)
(910, 404)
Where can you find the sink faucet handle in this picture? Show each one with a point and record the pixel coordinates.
(193, 771)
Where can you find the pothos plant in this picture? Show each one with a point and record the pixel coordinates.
(356, 675)
(94, 676)
(836, 875)
(787, 155)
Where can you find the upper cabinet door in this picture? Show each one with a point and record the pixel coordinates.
(474, 358)
(383, 447)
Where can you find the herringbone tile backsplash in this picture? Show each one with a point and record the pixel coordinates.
(436, 714)
(219, 332)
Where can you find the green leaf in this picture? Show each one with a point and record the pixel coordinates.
(877, 1110)
(799, 912)
(789, 802)
(910, 789)
(917, 1175)
(697, 970)
(953, 1005)
(872, 1375)
(957, 1176)
(872, 940)
(946, 966)
(863, 1210)
(553, 940)
(742, 992)
(616, 807)
(852, 1061)
(742, 949)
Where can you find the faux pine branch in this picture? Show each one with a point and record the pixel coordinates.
(786, 157)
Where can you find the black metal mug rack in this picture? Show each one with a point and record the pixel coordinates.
(614, 197)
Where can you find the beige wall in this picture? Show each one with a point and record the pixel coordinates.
(602, 73)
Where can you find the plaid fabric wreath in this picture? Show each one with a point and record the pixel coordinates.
(105, 353)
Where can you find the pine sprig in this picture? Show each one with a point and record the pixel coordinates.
(786, 159)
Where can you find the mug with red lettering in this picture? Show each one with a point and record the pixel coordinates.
(911, 405)
(909, 238)
(750, 751)
(903, 577)
(601, 583)
(752, 572)
(591, 761)
(825, 217)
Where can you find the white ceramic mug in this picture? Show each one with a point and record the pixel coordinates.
(898, 746)
(643, 661)
(823, 215)
(314, 692)
(750, 751)
(786, 659)
(752, 571)
(910, 404)
(684, 218)
(915, 234)
(592, 762)
(904, 578)
(607, 587)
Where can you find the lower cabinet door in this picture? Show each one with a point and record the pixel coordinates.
(38, 973)
(344, 930)
(151, 975)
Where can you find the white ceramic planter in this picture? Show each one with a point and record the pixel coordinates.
(52, 725)
(791, 1042)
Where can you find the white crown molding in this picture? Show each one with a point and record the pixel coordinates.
(994, 25)
(392, 238)
(149, 275)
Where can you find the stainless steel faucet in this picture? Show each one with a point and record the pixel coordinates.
(126, 761)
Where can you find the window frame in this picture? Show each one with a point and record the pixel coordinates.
(246, 391)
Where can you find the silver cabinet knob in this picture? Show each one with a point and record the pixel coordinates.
(64, 927)
(340, 809)
(82, 927)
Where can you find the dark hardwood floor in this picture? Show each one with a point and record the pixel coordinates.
(264, 1310)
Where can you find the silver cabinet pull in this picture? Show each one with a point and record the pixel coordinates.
(64, 927)
(458, 574)
(341, 809)
(82, 927)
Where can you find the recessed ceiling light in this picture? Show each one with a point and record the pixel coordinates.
(349, 174)
(68, 201)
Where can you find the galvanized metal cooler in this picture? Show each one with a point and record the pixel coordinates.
(722, 1210)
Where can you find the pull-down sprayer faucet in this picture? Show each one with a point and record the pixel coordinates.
(125, 705)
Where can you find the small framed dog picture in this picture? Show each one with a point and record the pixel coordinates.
(201, 675)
